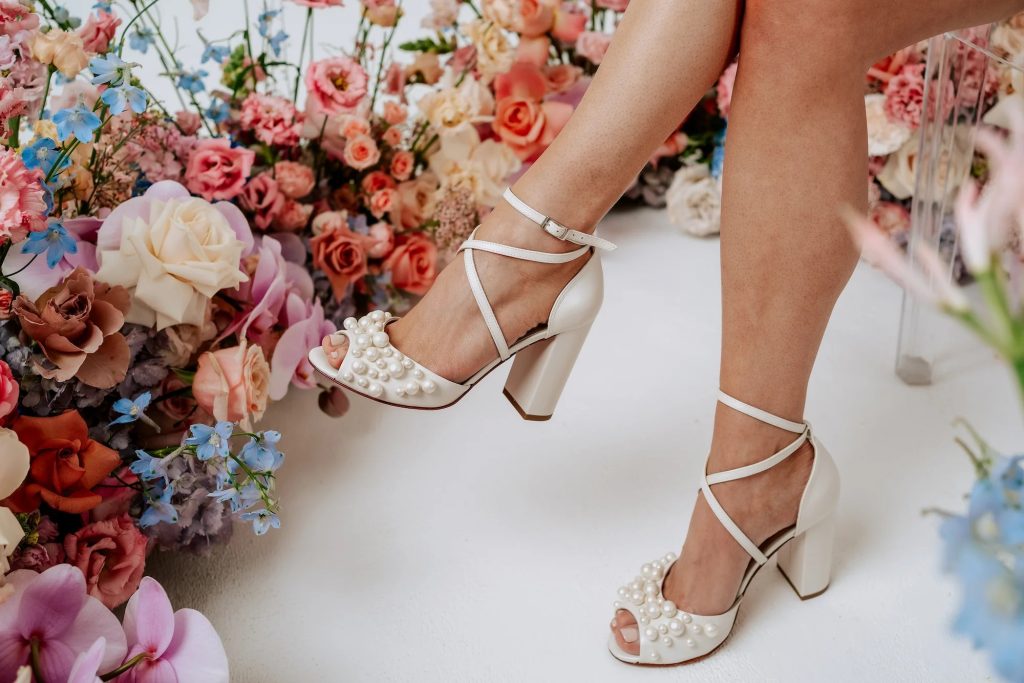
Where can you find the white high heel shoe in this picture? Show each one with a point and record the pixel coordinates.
(669, 636)
(374, 368)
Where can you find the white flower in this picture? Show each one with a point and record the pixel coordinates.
(451, 109)
(900, 171)
(494, 53)
(463, 162)
(884, 135)
(694, 201)
(443, 14)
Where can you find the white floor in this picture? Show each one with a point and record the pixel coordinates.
(469, 545)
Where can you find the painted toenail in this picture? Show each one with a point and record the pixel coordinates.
(629, 634)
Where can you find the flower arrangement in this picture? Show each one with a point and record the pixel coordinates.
(984, 547)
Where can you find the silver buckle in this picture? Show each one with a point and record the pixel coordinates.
(554, 229)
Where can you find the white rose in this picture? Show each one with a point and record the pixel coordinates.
(14, 464)
(694, 201)
(501, 12)
(1008, 38)
(494, 53)
(174, 257)
(885, 136)
(900, 171)
(443, 14)
(452, 109)
(463, 162)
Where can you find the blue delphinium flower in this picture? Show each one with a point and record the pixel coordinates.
(260, 454)
(141, 39)
(218, 111)
(54, 240)
(160, 509)
(103, 5)
(277, 41)
(215, 53)
(78, 121)
(125, 96)
(130, 409)
(149, 467)
(718, 155)
(263, 21)
(262, 521)
(229, 495)
(192, 81)
(210, 441)
(43, 154)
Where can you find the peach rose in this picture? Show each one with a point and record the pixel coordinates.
(295, 180)
(533, 50)
(63, 49)
(415, 200)
(528, 126)
(336, 84)
(413, 264)
(216, 170)
(376, 181)
(394, 113)
(340, 254)
(232, 384)
(111, 555)
(351, 125)
(383, 237)
(382, 201)
(561, 77)
(593, 45)
(294, 216)
(392, 136)
(402, 164)
(361, 152)
(570, 21)
(535, 17)
(9, 390)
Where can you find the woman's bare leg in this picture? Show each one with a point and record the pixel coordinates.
(796, 152)
(665, 56)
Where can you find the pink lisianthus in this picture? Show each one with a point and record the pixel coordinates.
(294, 179)
(273, 120)
(98, 31)
(723, 91)
(262, 197)
(593, 45)
(904, 96)
(15, 17)
(216, 170)
(112, 556)
(336, 84)
(9, 390)
(179, 646)
(53, 609)
(22, 207)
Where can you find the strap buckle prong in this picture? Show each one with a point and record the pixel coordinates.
(556, 230)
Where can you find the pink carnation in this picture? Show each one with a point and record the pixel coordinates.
(12, 104)
(726, 82)
(336, 84)
(216, 170)
(16, 17)
(98, 31)
(111, 555)
(262, 198)
(22, 207)
(273, 120)
(295, 180)
(904, 96)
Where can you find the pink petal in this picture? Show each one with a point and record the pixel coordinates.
(290, 351)
(14, 653)
(96, 621)
(292, 247)
(109, 235)
(88, 663)
(83, 227)
(299, 279)
(237, 221)
(153, 671)
(50, 604)
(55, 660)
(196, 651)
(149, 618)
(36, 277)
(84, 257)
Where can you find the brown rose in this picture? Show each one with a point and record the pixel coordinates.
(341, 255)
(111, 555)
(413, 264)
(77, 324)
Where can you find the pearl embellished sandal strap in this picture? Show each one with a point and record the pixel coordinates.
(762, 415)
(554, 228)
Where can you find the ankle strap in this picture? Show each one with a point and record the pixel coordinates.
(762, 415)
(554, 228)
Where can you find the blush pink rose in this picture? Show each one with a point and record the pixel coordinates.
(392, 136)
(570, 21)
(9, 390)
(383, 236)
(98, 31)
(216, 170)
(263, 198)
(233, 383)
(336, 84)
(382, 202)
(111, 555)
(413, 264)
(533, 50)
(273, 120)
(402, 164)
(294, 179)
(294, 216)
(593, 45)
(536, 17)
(561, 77)
(394, 113)
(375, 181)
(361, 152)
(339, 253)
(723, 91)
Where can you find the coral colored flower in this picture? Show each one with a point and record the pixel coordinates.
(98, 31)
(394, 113)
(723, 91)
(53, 609)
(180, 646)
(336, 84)
(614, 5)
(570, 21)
(376, 181)
(413, 264)
(352, 126)
(262, 198)
(63, 49)
(904, 96)
(9, 390)
(216, 170)
(561, 77)
(593, 45)
(111, 555)
(233, 383)
(273, 120)
(528, 126)
(533, 50)
(382, 202)
(16, 18)
(340, 254)
(361, 152)
(402, 164)
(294, 216)
(66, 464)
(383, 236)
(294, 179)
(392, 136)
(22, 206)
(535, 17)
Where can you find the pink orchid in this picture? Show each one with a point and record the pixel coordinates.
(181, 646)
(53, 610)
(306, 326)
(88, 663)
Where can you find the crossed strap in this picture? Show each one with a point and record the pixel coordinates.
(556, 230)
(801, 428)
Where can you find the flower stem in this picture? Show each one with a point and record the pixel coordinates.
(124, 32)
(384, 54)
(130, 664)
(34, 661)
(302, 52)
(15, 124)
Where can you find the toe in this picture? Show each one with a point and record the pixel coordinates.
(627, 635)
(335, 346)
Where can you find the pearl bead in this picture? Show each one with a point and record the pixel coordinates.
(412, 388)
(362, 340)
(687, 618)
(669, 608)
(381, 364)
(363, 382)
(647, 571)
(372, 374)
(623, 591)
(418, 374)
(372, 353)
(380, 339)
(396, 369)
(670, 557)
(357, 353)
(667, 641)
(376, 390)
(636, 597)
(655, 656)
(651, 589)
(387, 351)
(377, 315)
(644, 620)
(407, 364)
(695, 629)
(636, 585)
(359, 367)
(347, 376)
(676, 627)
(350, 323)
(429, 387)
(400, 392)
(398, 355)
(663, 630)
(691, 642)
(616, 604)
(653, 611)
(384, 377)
(651, 633)
(711, 630)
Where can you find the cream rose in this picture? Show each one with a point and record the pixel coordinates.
(494, 53)
(900, 171)
(463, 162)
(885, 136)
(694, 201)
(174, 252)
(14, 463)
(451, 108)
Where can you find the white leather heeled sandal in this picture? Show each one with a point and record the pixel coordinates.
(669, 636)
(544, 357)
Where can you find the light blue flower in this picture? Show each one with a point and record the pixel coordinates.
(260, 454)
(131, 409)
(216, 53)
(78, 121)
(192, 81)
(718, 155)
(277, 41)
(110, 70)
(43, 154)
(210, 441)
(103, 5)
(218, 111)
(120, 98)
(54, 240)
(141, 39)
(228, 495)
(160, 509)
(249, 495)
(150, 467)
(262, 521)
(264, 20)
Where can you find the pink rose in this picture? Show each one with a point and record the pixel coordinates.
(188, 121)
(383, 237)
(382, 202)
(392, 136)
(117, 494)
(394, 113)
(375, 181)
(338, 252)
(413, 264)
(593, 45)
(527, 126)
(216, 170)
(111, 555)
(415, 201)
(533, 50)
(402, 164)
(561, 77)
(570, 20)
(294, 216)
(9, 390)
(351, 126)
(361, 152)
(294, 179)
(232, 383)
(535, 17)
(273, 120)
(726, 82)
(336, 84)
(262, 197)
(98, 31)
